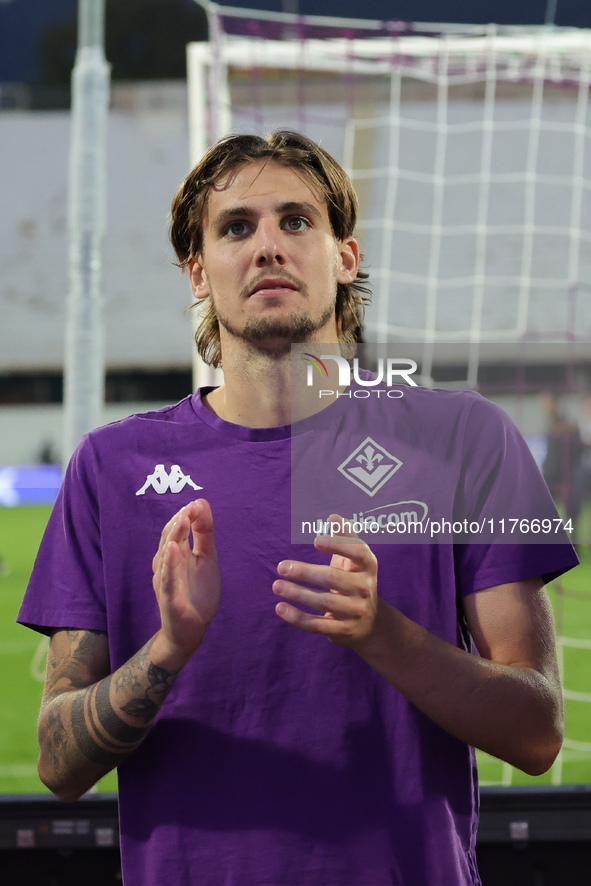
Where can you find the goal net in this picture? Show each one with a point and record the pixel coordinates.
(469, 149)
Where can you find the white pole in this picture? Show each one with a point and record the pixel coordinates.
(209, 120)
(84, 351)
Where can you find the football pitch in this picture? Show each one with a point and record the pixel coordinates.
(22, 654)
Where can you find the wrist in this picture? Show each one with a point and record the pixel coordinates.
(377, 640)
(169, 655)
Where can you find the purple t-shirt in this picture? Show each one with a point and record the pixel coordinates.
(279, 759)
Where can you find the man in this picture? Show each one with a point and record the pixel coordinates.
(250, 750)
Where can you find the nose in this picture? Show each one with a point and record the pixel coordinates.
(267, 245)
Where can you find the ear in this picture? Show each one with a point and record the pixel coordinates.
(198, 277)
(348, 260)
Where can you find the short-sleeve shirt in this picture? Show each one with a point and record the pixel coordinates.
(280, 759)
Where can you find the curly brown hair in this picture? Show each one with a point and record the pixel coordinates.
(292, 149)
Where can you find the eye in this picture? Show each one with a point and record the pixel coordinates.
(236, 229)
(296, 223)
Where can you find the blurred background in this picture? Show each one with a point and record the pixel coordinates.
(148, 155)
(472, 160)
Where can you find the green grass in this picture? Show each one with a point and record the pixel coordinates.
(20, 694)
(571, 600)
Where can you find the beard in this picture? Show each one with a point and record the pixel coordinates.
(275, 335)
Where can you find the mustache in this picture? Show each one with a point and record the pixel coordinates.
(265, 273)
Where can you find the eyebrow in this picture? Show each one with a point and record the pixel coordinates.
(297, 206)
(227, 215)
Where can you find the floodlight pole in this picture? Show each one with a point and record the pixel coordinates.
(84, 365)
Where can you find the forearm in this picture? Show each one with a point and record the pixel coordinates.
(85, 733)
(511, 712)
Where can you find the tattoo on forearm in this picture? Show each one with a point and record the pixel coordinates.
(101, 735)
(126, 678)
(83, 650)
(146, 708)
(57, 737)
(100, 713)
(73, 673)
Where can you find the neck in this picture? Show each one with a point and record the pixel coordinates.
(262, 390)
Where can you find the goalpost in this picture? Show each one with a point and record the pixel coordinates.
(469, 148)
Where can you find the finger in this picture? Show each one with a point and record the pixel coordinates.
(202, 528)
(177, 529)
(338, 605)
(168, 564)
(344, 541)
(165, 534)
(355, 550)
(313, 624)
(329, 577)
(341, 527)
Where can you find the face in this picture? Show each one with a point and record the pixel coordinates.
(270, 261)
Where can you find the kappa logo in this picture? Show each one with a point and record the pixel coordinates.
(369, 466)
(162, 482)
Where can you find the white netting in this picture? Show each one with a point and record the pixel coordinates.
(469, 151)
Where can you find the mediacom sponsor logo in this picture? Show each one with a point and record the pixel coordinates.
(396, 512)
(394, 516)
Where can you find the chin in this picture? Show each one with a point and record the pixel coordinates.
(286, 330)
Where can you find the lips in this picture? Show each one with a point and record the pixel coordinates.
(272, 283)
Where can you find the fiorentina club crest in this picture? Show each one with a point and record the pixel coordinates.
(370, 466)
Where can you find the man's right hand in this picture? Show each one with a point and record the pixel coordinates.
(92, 720)
(186, 582)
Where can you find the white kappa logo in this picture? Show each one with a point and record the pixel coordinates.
(162, 482)
(369, 466)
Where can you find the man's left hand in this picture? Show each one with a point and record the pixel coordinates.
(348, 602)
